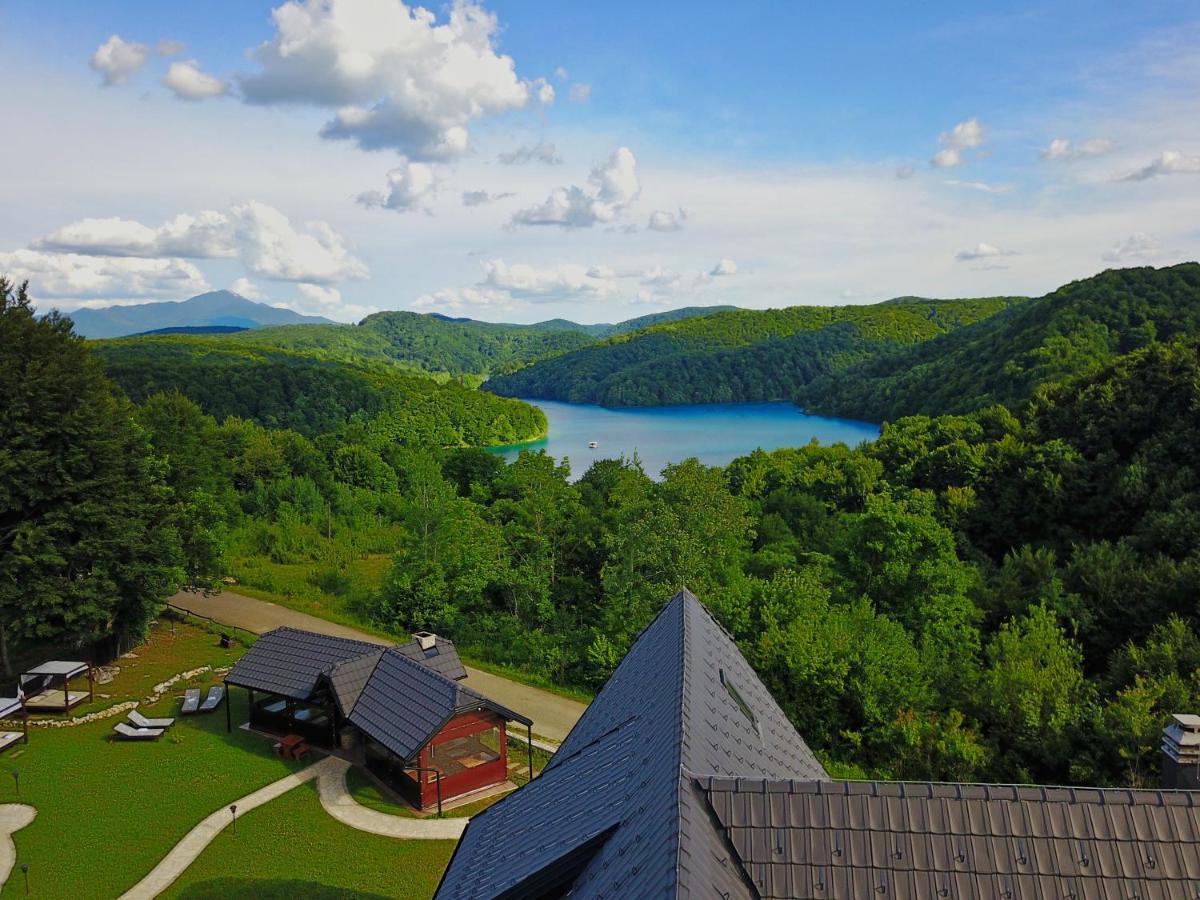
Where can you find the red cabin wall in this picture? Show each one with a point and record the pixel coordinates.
(481, 776)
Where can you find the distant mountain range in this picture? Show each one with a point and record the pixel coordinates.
(216, 308)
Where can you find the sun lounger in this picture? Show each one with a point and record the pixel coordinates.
(213, 700)
(141, 721)
(191, 701)
(129, 733)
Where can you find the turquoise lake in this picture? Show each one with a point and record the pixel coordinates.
(714, 433)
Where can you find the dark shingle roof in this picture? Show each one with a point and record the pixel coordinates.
(404, 703)
(622, 784)
(349, 677)
(290, 662)
(889, 839)
(442, 658)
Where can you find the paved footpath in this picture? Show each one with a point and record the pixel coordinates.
(339, 803)
(13, 817)
(553, 716)
(185, 852)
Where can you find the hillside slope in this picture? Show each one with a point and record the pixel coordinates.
(213, 308)
(1072, 331)
(738, 355)
(311, 395)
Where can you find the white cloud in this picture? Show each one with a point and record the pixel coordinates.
(116, 59)
(260, 236)
(247, 289)
(187, 82)
(966, 135)
(723, 267)
(314, 296)
(665, 220)
(480, 198)
(168, 47)
(394, 76)
(982, 250)
(615, 187)
(1138, 247)
(408, 186)
(540, 152)
(72, 275)
(560, 73)
(1170, 162)
(580, 93)
(905, 172)
(567, 281)
(1063, 150)
(465, 299)
(981, 186)
(545, 91)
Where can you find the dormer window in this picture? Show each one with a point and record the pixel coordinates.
(740, 701)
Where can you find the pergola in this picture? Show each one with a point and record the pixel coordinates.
(48, 686)
(9, 707)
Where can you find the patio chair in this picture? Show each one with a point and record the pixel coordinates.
(191, 701)
(141, 721)
(213, 700)
(129, 733)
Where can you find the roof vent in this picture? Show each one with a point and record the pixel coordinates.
(1181, 753)
(427, 640)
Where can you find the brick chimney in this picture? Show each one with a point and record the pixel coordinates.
(427, 640)
(1181, 753)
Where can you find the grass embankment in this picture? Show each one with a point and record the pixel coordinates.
(291, 848)
(304, 587)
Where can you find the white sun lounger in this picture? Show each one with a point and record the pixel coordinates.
(129, 733)
(191, 701)
(214, 698)
(141, 721)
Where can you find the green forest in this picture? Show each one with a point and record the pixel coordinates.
(1003, 587)
(737, 355)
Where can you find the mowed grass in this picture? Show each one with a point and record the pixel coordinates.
(291, 849)
(109, 811)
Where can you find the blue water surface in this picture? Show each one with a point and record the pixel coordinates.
(715, 433)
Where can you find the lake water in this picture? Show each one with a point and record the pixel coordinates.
(715, 433)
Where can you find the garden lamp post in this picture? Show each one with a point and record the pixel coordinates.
(25, 872)
(17, 782)
(233, 815)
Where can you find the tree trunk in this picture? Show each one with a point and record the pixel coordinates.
(4, 652)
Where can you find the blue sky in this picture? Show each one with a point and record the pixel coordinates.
(759, 154)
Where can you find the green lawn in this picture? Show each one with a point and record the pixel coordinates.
(108, 811)
(291, 849)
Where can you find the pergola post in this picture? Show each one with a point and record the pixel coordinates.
(529, 744)
(91, 684)
(24, 717)
(66, 693)
(228, 707)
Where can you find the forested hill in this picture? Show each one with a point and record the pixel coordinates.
(738, 355)
(313, 395)
(1072, 331)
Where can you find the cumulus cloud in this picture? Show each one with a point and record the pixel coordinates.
(665, 220)
(966, 135)
(116, 59)
(187, 82)
(723, 267)
(1064, 150)
(455, 300)
(560, 73)
(408, 186)
(480, 198)
(248, 289)
(395, 77)
(1138, 247)
(260, 236)
(73, 275)
(315, 296)
(540, 285)
(540, 152)
(1170, 162)
(580, 93)
(545, 91)
(614, 186)
(982, 250)
(168, 47)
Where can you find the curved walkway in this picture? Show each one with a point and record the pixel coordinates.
(182, 854)
(553, 716)
(13, 817)
(338, 802)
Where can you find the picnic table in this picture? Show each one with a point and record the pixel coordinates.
(292, 745)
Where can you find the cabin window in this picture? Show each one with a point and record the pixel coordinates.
(740, 701)
(464, 753)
